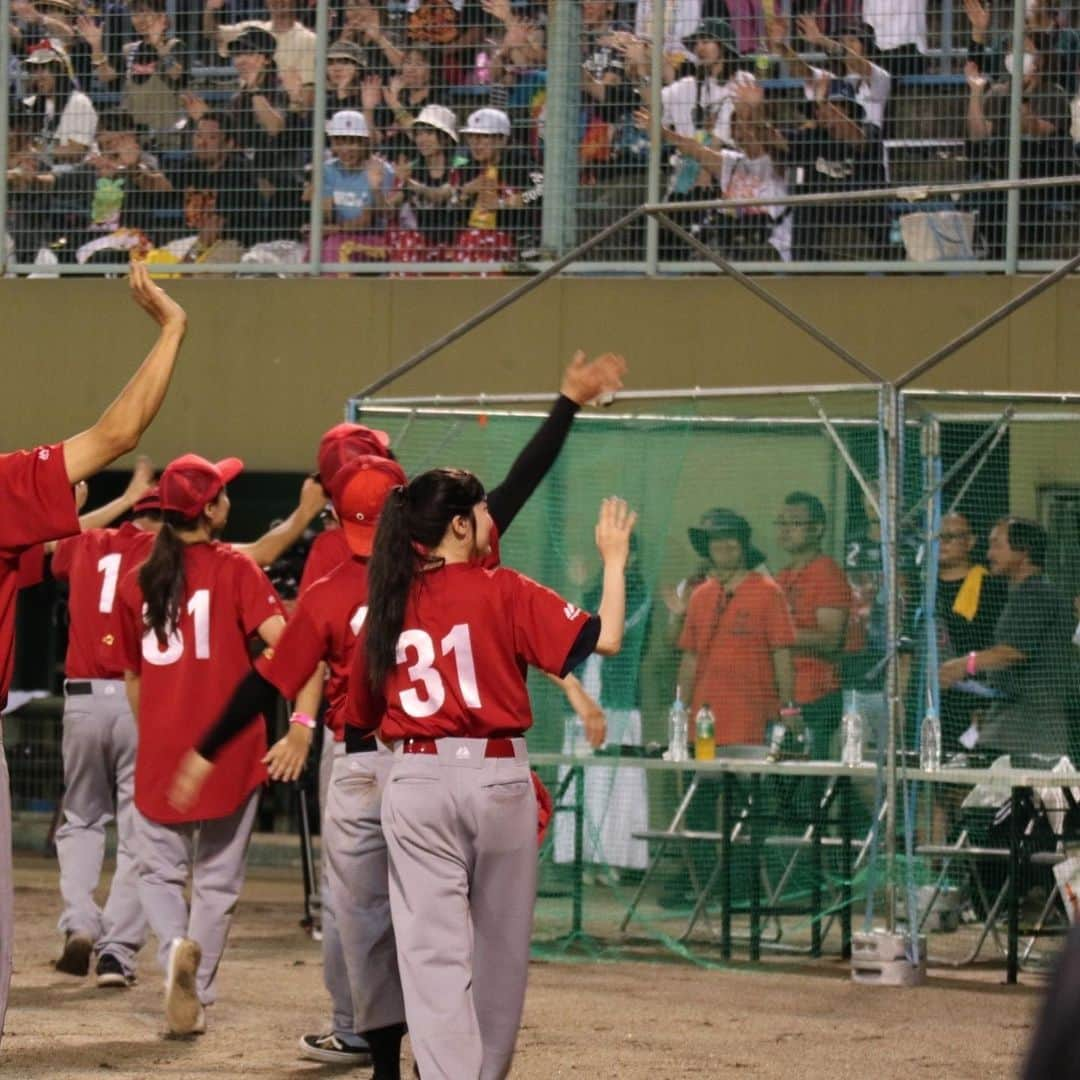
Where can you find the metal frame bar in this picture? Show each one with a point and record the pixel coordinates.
(767, 297)
(503, 302)
(979, 465)
(984, 324)
(656, 418)
(849, 461)
(958, 466)
(659, 394)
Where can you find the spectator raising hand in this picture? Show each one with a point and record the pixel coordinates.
(978, 15)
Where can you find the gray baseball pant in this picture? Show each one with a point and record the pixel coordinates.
(7, 887)
(214, 852)
(359, 883)
(461, 834)
(99, 745)
(335, 975)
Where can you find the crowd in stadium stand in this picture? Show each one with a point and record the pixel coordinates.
(187, 131)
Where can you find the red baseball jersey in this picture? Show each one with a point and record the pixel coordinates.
(468, 635)
(38, 505)
(327, 552)
(323, 626)
(94, 563)
(186, 684)
(819, 584)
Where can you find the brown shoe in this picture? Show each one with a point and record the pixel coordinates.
(182, 1007)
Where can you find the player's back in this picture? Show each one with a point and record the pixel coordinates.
(94, 563)
(467, 637)
(186, 682)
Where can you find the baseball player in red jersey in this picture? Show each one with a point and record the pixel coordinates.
(36, 496)
(99, 751)
(100, 736)
(186, 617)
(353, 846)
(447, 643)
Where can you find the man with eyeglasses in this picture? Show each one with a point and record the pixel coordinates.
(969, 602)
(820, 599)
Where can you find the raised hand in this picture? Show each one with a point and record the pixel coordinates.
(613, 528)
(808, 27)
(371, 93)
(153, 299)
(89, 31)
(142, 479)
(979, 16)
(586, 380)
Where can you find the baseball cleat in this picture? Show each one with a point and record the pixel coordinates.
(331, 1049)
(182, 1007)
(75, 959)
(110, 973)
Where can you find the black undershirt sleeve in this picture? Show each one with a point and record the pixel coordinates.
(531, 465)
(584, 645)
(253, 695)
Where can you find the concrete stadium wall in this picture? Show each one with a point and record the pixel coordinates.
(269, 363)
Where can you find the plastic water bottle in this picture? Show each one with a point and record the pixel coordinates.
(705, 735)
(930, 743)
(678, 730)
(852, 731)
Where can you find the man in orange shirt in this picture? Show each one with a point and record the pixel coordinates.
(736, 644)
(738, 635)
(820, 599)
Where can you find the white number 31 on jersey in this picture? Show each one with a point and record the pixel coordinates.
(198, 607)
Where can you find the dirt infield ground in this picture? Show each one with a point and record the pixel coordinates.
(633, 1021)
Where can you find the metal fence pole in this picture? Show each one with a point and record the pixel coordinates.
(1016, 86)
(318, 128)
(889, 521)
(5, 65)
(561, 128)
(656, 142)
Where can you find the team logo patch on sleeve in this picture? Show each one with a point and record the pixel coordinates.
(571, 612)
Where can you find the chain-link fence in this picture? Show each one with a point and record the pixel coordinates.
(493, 136)
(761, 576)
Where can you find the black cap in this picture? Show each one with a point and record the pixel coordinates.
(254, 40)
(713, 29)
(719, 523)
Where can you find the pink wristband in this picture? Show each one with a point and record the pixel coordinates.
(971, 669)
(791, 710)
(303, 720)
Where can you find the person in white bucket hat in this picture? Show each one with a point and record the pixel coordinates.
(356, 184)
(426, 185)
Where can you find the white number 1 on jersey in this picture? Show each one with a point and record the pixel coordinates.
(109, 567)
(423, 671)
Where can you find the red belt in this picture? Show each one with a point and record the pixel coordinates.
(495, 748)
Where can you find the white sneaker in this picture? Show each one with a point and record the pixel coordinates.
(182, 1007)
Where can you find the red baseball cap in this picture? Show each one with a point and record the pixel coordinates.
(150, 503)
(190, 482)
(343, 442)
(360, 489)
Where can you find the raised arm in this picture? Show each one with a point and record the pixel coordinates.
(142, 480)
(583, 381)
(277, 540)
(613, 541)
(122, 424)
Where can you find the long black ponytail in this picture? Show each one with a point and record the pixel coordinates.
(162, 578)
(414, 518)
